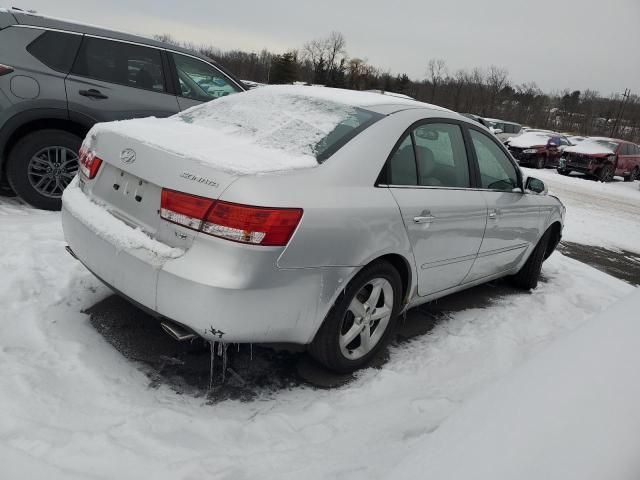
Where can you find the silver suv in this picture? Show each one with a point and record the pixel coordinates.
(57, 79)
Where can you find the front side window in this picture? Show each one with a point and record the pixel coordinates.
(200, 81)
(121, 63)
(441, 156)
(496, 170)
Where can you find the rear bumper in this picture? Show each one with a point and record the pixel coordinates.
(219, 289)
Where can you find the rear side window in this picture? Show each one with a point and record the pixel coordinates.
(402, 164)
(56, 50)
(441, 156)
(121, 63)
(432, 155)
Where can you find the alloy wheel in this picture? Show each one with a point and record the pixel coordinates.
(51, 169)
(366, 319)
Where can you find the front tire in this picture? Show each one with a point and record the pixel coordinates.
(540, 162)
(606, 173)
(41, 165)
(527, 277)
(362, 321)
(564, 171)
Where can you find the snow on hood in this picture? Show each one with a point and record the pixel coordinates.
(529, 139)
(269, 129)
(594, 147)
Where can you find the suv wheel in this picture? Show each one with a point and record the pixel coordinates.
(606, 173)
(362, 320)
(41, 165)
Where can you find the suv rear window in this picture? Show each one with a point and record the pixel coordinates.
(121, 63)
(56, 50)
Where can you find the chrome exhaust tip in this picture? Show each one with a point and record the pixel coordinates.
(177, 332)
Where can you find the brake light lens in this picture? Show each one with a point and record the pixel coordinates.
(184, 209)
(231, 221)
(89, 163)
(4, 69)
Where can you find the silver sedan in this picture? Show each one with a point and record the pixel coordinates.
(303, 214)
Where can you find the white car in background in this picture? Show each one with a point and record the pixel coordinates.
(503, 129)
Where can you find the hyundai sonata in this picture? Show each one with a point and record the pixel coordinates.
(303, 214)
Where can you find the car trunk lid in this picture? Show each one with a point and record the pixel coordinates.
(130, 180)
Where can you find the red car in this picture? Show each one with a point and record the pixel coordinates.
(603, 158)
(538, 149)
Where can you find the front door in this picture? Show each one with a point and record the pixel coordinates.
(514, 218)
(429, 176)
(113, 80)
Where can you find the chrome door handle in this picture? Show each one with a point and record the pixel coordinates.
(425, 219)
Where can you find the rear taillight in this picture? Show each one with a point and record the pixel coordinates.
(231, 221)
(4, 69)
(89, 163)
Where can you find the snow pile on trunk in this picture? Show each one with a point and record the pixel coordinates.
(593, 147)
(268, 129)
(570, 412)
(111, 229)
(530, 139)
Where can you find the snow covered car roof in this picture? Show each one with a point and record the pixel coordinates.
(268, 129)
(530, 139)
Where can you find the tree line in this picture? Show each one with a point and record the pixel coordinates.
(487, 92)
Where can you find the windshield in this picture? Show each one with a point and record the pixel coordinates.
(293, 123)
(607, 144)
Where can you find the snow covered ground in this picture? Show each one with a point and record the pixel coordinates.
(601, 214)
(73, 407)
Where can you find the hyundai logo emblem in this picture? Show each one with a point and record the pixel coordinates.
(128, 155)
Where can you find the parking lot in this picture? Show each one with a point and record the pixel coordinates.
(90, 373)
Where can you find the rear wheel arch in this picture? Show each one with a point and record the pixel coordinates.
(49, 123)
(401, 264)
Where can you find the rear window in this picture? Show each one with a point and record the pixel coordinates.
(294, 123)
(56, 50)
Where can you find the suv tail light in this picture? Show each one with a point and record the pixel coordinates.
(239, 223)
(4, 69)
(89, 163)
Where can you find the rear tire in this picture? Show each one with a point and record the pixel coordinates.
(41, 164)
(635, 173)
(333, 345)
(527, 277)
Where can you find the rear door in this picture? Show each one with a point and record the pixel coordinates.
(115, 80)
(429, 175)
(514, 217)
(198, 81)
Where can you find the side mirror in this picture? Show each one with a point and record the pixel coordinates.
(534, 185)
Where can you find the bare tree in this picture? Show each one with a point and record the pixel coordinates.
(437, 70)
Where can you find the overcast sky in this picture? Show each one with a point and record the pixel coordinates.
(576, 44)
